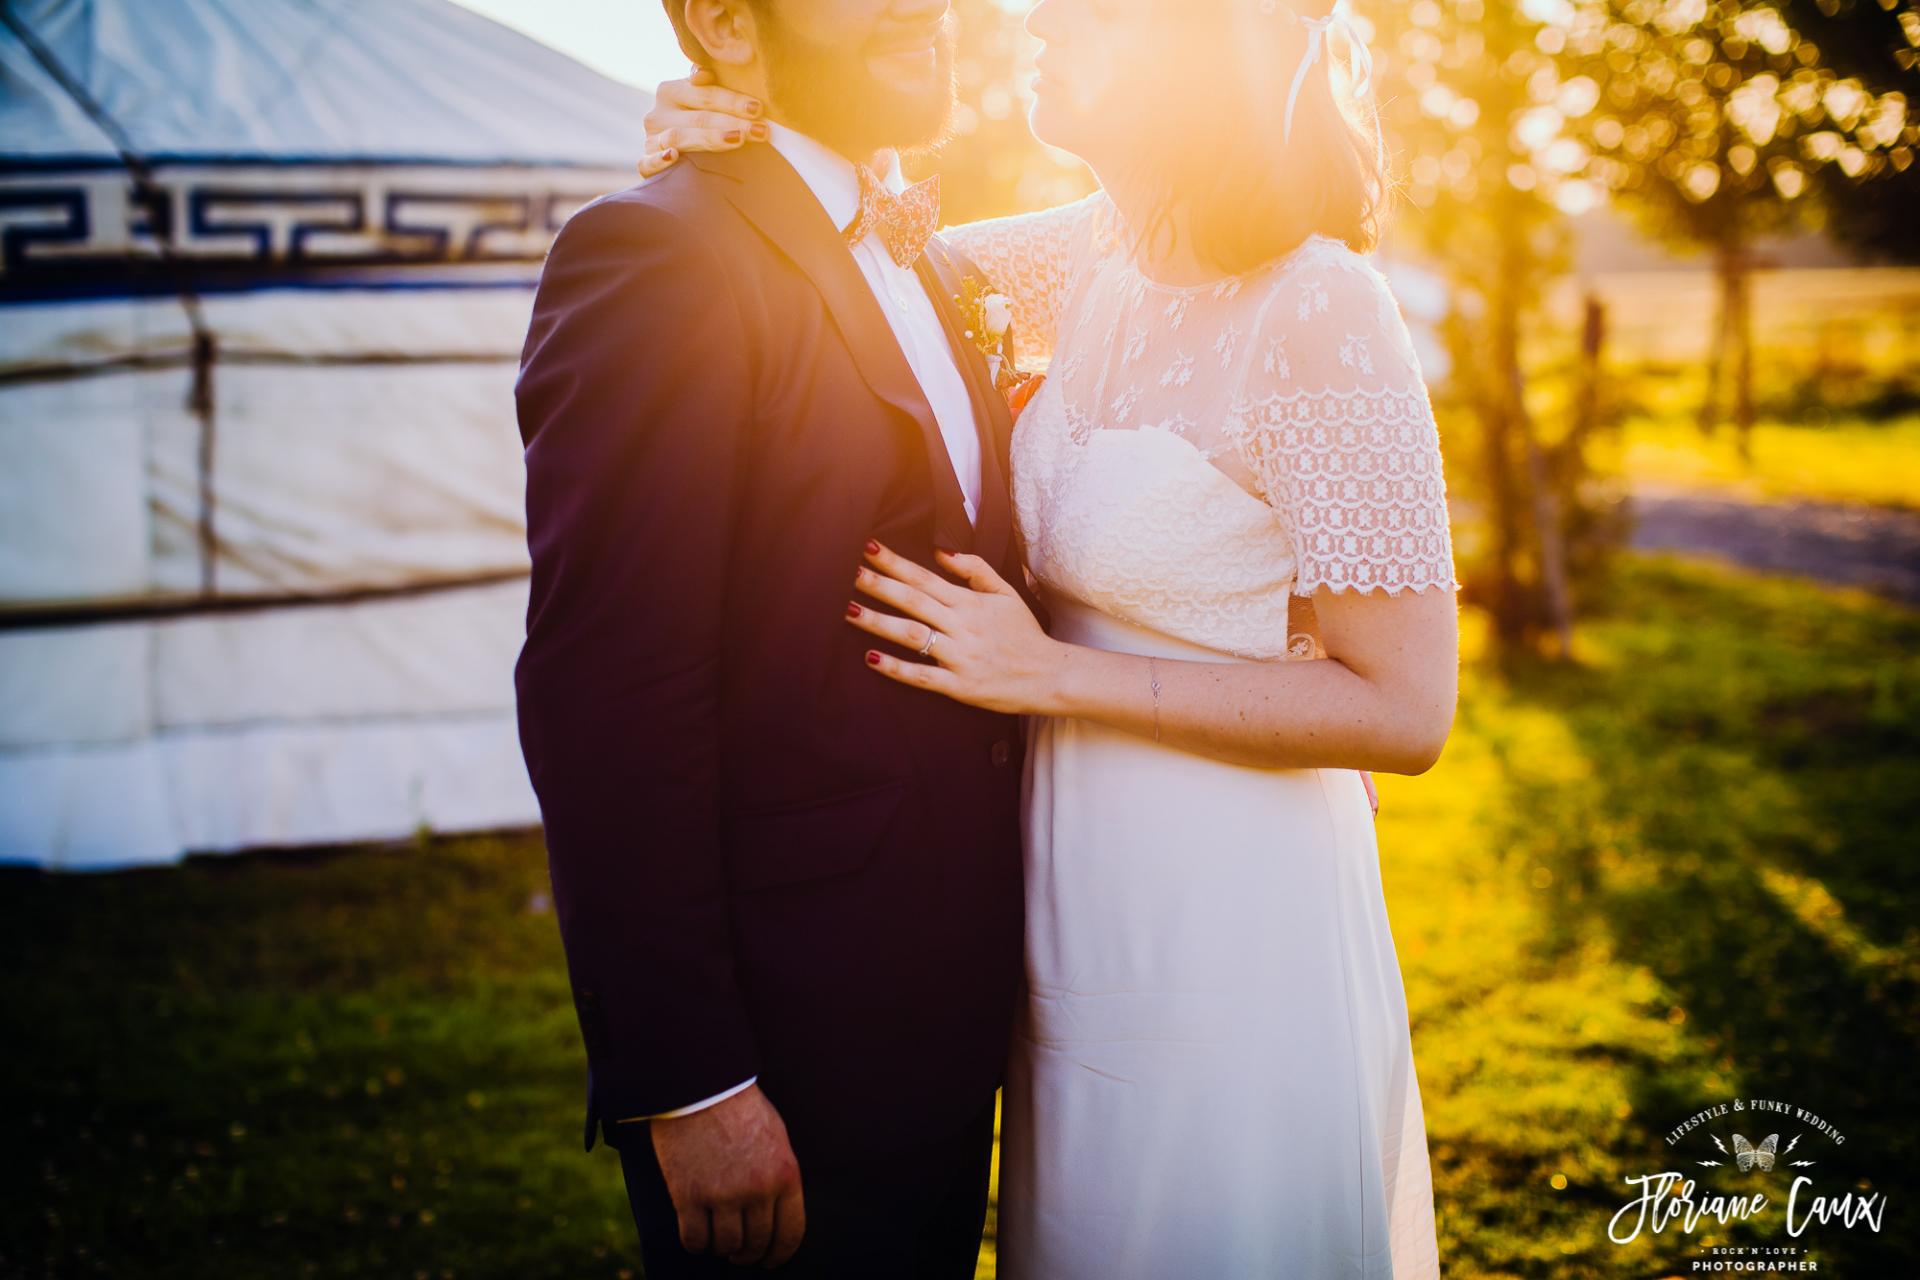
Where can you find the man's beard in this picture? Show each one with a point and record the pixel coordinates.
(827, 92)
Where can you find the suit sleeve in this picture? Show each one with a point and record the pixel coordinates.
(634, 400)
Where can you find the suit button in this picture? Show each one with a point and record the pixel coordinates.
(1002, 752)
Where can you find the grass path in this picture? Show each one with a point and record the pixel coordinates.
(1849, 460)
(1681, 871)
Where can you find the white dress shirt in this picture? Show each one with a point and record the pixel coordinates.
(836, 185)
(916, 325)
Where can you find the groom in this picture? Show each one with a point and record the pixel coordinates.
(789, 888)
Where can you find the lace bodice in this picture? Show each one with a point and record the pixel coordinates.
(1199, 454)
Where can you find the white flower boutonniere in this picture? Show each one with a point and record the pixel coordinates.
(988, 317)
(996, 314)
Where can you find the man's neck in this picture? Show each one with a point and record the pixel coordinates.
(877, 160)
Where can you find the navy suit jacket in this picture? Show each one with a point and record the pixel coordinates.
(766, 858)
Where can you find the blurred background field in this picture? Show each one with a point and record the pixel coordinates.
(1680, 871)
(1837, 385)
(1667, 858)
(1851, 460)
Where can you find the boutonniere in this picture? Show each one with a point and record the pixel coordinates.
(988, 317)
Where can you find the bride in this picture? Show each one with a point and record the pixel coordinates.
(1230, 491)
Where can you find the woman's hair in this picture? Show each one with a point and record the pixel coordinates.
(1214, 148)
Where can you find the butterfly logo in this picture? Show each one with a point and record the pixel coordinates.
(1747, 1155)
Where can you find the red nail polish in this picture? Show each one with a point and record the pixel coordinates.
(754, 109)
(734, 135)
(757, 131)
(943, 551)
(853, 610)
(873, 548)
(873, 658)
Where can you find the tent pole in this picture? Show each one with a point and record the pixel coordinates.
(200, 401)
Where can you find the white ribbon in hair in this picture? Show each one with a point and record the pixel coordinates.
(1360, 61)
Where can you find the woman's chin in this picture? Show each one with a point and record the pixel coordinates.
(1054, 123)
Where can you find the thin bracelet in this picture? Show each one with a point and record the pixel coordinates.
(1153, 678)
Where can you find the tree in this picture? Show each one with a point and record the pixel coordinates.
(1490, 176)
(1877, 45)
(1711, 120)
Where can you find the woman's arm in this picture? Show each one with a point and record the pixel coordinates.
(1382, 700)
(1339, 432)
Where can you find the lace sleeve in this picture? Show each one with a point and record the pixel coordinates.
(1030, 257)
(1338, 430)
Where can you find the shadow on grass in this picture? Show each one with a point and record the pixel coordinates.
(1744, 830)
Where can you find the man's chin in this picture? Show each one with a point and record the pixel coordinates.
(930, 132)
(919, 105)
(915, 122)
(911, 74)
(867, 102)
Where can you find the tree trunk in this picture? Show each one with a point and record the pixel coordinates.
(1717, 343)
(1586, 402)
(1740, 295)
(1549, 530)
(1549, 534)
(1510, 612)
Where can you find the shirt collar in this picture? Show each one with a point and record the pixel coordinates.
(829, 175)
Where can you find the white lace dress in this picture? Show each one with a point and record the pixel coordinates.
(1214, 1075)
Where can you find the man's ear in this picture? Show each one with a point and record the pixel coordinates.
(725, 29)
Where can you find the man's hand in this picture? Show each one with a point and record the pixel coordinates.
(734, 1181)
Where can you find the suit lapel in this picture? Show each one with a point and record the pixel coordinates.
(992, 420)
(767, 191)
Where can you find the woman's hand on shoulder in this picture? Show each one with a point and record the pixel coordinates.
(696, 114)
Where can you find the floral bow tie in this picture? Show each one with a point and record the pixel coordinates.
(905, 221)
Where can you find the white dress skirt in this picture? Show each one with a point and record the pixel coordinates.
(1214, 1075)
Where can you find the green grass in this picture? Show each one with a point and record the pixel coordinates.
(1680, 871)
(360, 1064)
(1848, 460)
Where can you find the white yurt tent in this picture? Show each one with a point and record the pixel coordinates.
(265, 269)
